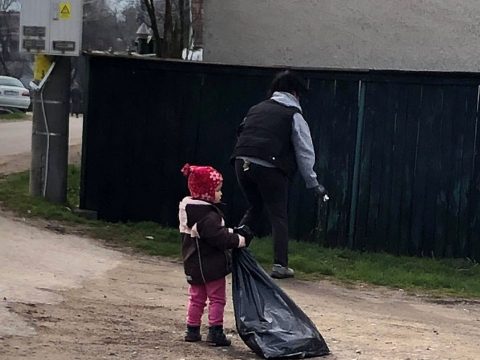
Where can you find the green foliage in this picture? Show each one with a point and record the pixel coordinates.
(454, 277)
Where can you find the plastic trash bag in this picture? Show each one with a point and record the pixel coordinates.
(268, 321)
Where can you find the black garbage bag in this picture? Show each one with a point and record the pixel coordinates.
(268, 321)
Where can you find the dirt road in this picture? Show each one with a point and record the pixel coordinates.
(72, 298)
(68, 297)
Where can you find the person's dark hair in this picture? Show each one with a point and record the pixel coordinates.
(288, 81)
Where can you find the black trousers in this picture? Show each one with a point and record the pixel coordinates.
(266, 187)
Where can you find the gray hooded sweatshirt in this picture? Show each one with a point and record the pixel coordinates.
(301, 140)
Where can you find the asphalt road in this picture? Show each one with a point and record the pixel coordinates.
(16, 137)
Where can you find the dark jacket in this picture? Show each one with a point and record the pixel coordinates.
(76, 101)
(205, 241)
(266, 134)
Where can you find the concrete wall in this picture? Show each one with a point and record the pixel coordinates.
(374, 34)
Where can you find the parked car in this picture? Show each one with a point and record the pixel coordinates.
(13, 94)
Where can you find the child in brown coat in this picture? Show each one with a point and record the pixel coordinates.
(206, 244)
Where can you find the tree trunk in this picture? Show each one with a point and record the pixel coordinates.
(185, 22)
(5, 39)
(167, 29)
(149, 4)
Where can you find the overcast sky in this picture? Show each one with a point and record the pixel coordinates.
(118, 4)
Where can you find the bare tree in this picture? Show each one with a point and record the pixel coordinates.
(6, 5)
(176, 26)
(152, 15)
(100, 26)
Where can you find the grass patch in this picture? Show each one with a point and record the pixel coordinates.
(147, 237)
(453, 277)
(15, 116)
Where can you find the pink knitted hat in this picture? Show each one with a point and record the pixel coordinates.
(202, 181)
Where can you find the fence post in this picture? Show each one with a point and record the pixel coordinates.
(356, 165)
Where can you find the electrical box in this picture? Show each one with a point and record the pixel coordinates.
(52, 27)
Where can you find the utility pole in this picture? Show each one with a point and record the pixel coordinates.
(50, 129)
(51, 27)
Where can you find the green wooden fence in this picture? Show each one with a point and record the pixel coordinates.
(397, 150)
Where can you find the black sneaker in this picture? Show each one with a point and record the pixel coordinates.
(281, 272)
(193, 334)
(216, 336)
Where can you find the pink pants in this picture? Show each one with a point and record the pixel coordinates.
(215, 291)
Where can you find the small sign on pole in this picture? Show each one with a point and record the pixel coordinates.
(65, 10)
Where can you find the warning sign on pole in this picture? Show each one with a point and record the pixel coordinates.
(64, 10)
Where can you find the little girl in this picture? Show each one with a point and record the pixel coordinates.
(205, 250)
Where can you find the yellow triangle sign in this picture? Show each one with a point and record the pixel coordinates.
(65, 10)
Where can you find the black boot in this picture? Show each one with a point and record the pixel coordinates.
(193, 334)
(217, 337)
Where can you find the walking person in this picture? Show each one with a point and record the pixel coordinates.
(273, 141)
(206, 244)
(75, 100)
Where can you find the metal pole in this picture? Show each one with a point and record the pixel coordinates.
(50, 128)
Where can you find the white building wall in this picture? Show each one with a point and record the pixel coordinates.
(368, 34)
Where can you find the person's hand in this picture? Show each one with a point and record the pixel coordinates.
(246, 232)
(321, 192)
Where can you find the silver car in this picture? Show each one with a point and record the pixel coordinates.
(13, 95)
